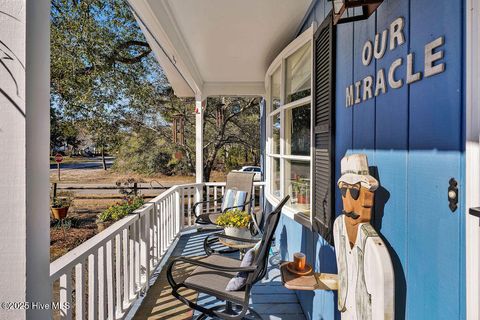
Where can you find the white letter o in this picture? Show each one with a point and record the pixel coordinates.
(367, 53)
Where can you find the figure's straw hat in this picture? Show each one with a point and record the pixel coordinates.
(354, 169)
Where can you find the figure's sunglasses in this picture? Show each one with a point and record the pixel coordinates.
(354, 189)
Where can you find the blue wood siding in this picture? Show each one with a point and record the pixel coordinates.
(414, 140)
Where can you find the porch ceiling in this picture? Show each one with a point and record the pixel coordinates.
(218, 47)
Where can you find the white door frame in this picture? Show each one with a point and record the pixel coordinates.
(472, 157)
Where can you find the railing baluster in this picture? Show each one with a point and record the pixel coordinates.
(144, 250)
(126, 273)
(208, 198)
(131, 264)
(167, 224)
(170, 220)
(189, 203)
(101, 283)
(118, 274)
(148, 234)
(92, 286)
(151, 238)
(79, 291)
(215, 196)
(174, 216)
(168, 211)
(137, 256)
(164, 230)
(66, 296)
(154, 220)
(178, 209)
(198, 198)
(153, 255)
(110, 279)
(159, 231)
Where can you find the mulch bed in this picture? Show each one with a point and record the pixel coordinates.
(77, 229)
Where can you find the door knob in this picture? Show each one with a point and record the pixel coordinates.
(453, 194)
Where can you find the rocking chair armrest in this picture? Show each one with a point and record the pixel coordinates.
(194, 207)
(213, 266)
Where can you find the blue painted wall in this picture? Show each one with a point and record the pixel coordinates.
(414, 140)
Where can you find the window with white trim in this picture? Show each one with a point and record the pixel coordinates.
(289, 150)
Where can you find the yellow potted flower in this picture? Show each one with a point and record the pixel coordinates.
(236, 223)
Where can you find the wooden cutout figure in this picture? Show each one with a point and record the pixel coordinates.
(365, 271)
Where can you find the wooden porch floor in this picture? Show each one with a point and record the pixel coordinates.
(269, 298)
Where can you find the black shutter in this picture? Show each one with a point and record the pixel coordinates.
(324, 122)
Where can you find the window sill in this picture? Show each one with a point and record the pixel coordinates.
(297, 216)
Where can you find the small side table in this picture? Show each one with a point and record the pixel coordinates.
(241, 246)
(313, 281)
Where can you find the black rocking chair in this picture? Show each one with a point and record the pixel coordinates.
(215, 271)
(237, 181)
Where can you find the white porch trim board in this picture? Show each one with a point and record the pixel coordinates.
(472, 224)
(164, 40)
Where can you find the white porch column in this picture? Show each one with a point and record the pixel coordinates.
(24, 162)
(200, 105)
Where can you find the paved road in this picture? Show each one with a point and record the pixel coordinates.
(94, 163)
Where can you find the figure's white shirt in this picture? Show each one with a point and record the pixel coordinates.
(377, 269)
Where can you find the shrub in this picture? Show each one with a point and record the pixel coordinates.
(143, 154)
(120, 210)
(63, 199)
(234, 218)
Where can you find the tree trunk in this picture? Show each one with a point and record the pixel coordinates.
(104, 163)
(206, 173)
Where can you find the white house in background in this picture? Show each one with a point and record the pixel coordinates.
(399, 86)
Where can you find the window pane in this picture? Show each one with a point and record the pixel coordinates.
(297, 174)
(276, 78)
(298, 74)
(276, 134)
(297, 131)
(275, 179)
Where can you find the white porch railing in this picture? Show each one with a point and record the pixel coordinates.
(101, 278)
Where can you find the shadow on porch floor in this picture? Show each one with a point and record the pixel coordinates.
(269, 298)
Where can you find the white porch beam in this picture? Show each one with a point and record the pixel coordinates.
(24, 162)
(234, 88)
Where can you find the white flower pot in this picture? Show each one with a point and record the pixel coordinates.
(239, 233)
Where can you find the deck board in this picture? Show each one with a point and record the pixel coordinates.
(269, 297)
